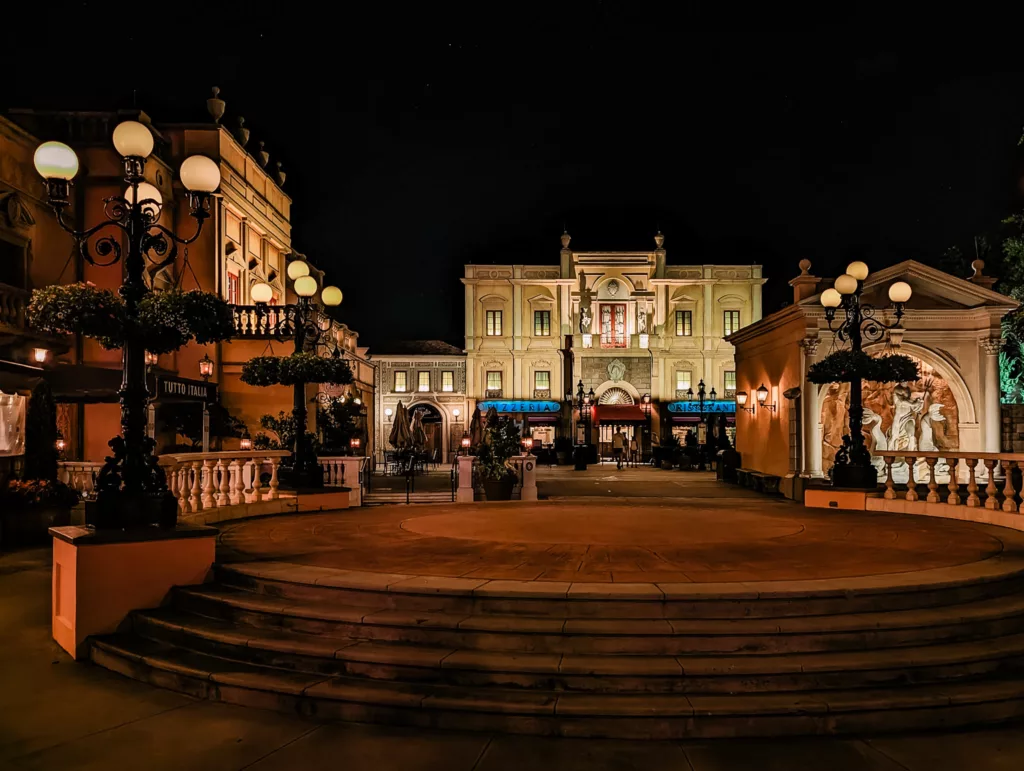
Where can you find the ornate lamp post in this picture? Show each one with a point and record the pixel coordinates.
(645, 405)
(583, 401)
(302, 322)
(131, 481)
(853, 462)
(702, 397)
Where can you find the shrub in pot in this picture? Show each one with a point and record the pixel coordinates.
(29, 508)
(494, 467)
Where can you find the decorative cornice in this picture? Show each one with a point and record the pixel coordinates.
(991, 345)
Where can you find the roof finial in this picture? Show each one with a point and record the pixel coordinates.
(263, 156)
(241, 133)
(805, 267)
(215, 105)
(566, 238)
(659, 239)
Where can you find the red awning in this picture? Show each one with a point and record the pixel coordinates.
(619, 413)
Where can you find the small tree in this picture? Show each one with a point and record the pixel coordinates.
(187, 420)
(337, 422)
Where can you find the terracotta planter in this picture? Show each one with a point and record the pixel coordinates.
(28, 527)
(498, 489)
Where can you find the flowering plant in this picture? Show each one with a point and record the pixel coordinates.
(165, 322)
(298, 368)
(37, 493)
(846, 366)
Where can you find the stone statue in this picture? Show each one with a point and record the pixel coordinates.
(585, 297)
(641, 319)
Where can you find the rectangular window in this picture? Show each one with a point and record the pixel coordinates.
(400, 384)
(684, 323)
(613, 326)
(730, 383)
(541, 323)
(494, 381)
(234, 289)
(731, 322)
(424, 381)
(542, 381)
(447, 380)
(683, 379)
(494, 323)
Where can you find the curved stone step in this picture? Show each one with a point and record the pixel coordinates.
(322, 654)
(997, 576)
(984, 619)
(661, 716)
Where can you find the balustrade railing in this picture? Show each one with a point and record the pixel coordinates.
(263, 321)
(12, 306)
(207, 480)
(970, 479)
(343, 470)
(79, 475)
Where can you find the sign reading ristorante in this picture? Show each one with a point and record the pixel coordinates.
(168, 387)
(710, 406)
(519, 405)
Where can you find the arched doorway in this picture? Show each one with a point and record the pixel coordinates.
(433, 428)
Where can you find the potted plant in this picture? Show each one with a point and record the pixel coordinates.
(30, 507)
(563, 450)
(495, 470)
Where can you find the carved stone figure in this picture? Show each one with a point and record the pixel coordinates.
(641, 320)
(616, 371)
(585, 299)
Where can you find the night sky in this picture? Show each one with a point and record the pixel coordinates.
(416, 143)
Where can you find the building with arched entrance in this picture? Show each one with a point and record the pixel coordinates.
(951, 328)
(626, 324)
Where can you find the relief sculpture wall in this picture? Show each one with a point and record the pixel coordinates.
(922, 416)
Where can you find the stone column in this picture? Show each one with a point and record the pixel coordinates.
(993, 421)
(809, 417)
(465, 492)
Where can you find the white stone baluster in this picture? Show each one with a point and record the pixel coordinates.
(257, 483)
(911, 482)
(195, 499)
(933, 486)
(183, 486)
(235, 482)
(890, 487)
(222, 478)
(972, 484)
(274, 464)
(1009, 501)
(207, 496)
(953, 499)
(991, 490)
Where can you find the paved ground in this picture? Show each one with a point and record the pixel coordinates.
(55, 714)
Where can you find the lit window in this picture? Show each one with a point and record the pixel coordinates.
(542, 381)
(731, 322)
(684, 323)
(542, 323)
(683, 380)
(494, 323)
(234, 289)
(730, 382)
(613, 326)
(447, 380)
(494, 381)
(400, 384)
(424, 381)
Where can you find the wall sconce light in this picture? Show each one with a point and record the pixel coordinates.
(39, 355)
(60, 445)
(741, 402)
(354, 442)
(357, 401)
(388, 413)
(206, 367)
(588, 340)
(245, 443)
(456, 412)
(762, 397)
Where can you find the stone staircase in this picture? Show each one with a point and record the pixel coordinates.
(940, 648)
(391, 498)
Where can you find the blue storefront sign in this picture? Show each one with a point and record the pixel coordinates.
(727, 406)
(519, 405)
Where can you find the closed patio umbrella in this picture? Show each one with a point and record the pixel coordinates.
(400, 438)
(419, 436)
(476, 428)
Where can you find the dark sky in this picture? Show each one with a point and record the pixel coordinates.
(415, 143)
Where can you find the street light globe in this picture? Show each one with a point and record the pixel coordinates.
(846, 284)
(388, 412)
(199, 174)
(55, 160)
(900, 292)
(261, 292)
(297, 269)
(146, 192)
(331, 295)
(456, 412)
(857, 269)
(133, 140)
(305, 286)
(830, 298)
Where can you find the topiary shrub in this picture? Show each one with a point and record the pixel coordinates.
(847, 366)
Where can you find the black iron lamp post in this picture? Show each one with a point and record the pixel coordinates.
(132, 488)
(702, 398)
(645, 405)
(303, 323)
(853, 462)
(583, 401)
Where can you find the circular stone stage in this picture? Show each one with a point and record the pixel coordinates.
(638, 619)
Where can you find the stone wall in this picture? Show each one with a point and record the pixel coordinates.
(636, 370)
(1013, 428)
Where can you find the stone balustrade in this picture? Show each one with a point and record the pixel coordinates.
(207, 480)
(13, 302)
(79, 475)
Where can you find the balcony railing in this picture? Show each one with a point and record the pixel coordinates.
(263, 321)
(492, 393)
(12, 306)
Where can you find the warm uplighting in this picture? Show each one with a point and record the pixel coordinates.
(245, 443)
(39, 355)
(830, 298)
(133, 140)
(261, 292)
(900, 292)
(146, 192)
(297, 269)
(456, 412)
(305, 286)
(151, 359)
(846, 284)
(200, 174)
(857, 269)
(55, 160)
(206, 366)
(331, 296)
(741, 398)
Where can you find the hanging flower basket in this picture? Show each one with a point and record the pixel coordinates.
(846, 366)
(165, 322)
(297, 368)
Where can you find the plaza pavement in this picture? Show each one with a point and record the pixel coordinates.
(56, 714)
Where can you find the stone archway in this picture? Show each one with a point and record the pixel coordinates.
(434, 426)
